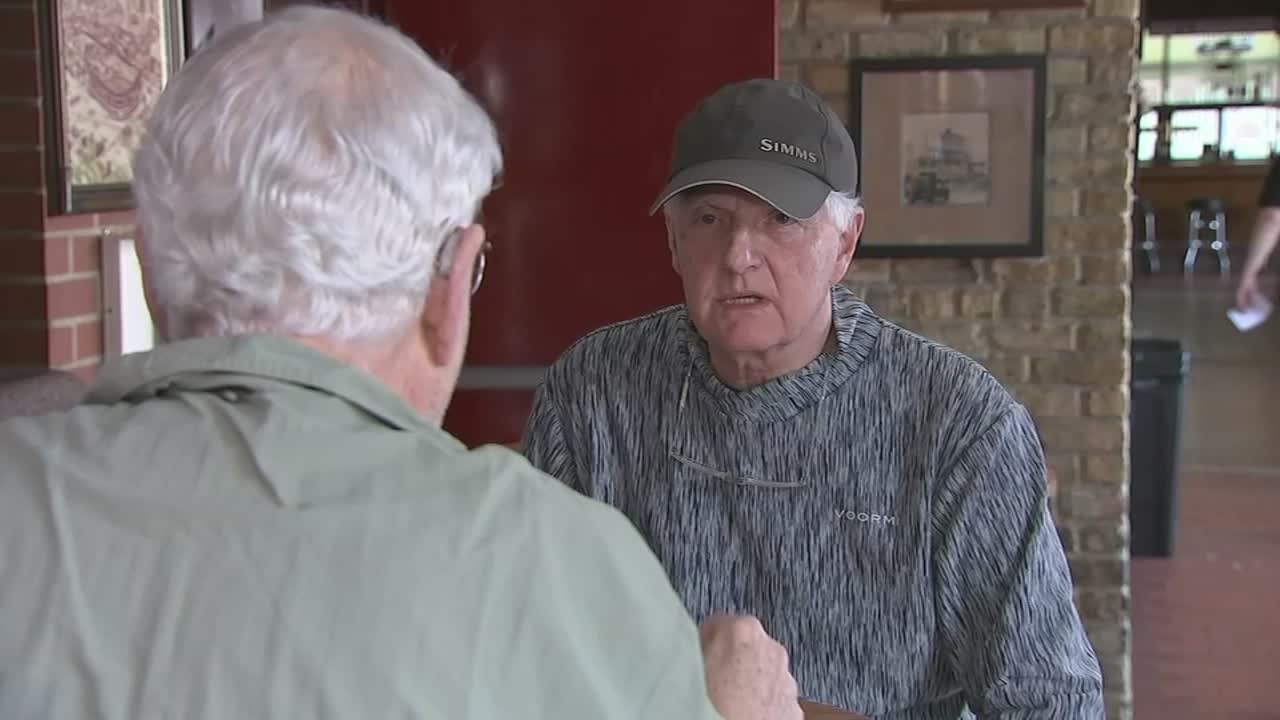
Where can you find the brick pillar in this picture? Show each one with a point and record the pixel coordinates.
(50, 302)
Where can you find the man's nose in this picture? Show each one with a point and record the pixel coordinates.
(741, 254)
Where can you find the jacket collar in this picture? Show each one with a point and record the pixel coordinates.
(247, 362)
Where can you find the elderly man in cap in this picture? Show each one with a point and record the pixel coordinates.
(877, 499)
(262, 517)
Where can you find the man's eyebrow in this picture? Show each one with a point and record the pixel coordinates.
(708, 200)
(704, 203)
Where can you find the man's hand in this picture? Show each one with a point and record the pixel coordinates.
(1266, 234)
(1247, 292)
(748, 672)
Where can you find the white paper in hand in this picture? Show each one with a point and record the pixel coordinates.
(1246, 319)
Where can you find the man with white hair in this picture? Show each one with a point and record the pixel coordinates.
(878, 500)
(262, 518)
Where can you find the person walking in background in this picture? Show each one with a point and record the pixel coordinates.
(1266, 235)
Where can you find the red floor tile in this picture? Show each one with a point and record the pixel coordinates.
(1206, 622)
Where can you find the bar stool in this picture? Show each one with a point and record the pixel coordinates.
(1144, 225)
(1206, 214)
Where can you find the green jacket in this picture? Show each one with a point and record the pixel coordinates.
(246, 528)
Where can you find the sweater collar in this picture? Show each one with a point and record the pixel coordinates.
(856, 331)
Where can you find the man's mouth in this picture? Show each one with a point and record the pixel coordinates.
(745, 299)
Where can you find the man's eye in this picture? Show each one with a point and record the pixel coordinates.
(707, 219)
(783, 219)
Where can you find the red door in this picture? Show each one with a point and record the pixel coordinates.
(586, 95)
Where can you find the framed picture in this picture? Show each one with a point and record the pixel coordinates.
(951, 155)
(104, 64)
(206, 18)
(906, 6)
(126, 319)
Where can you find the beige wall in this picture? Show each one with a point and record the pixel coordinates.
(1055, 329)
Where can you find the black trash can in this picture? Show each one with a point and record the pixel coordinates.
(1159, 369)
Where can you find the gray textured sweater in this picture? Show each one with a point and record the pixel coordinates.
(882, 511)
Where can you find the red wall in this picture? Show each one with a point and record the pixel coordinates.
(586, 96)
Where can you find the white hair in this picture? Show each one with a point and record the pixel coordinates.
(839, 208)
(300, 175)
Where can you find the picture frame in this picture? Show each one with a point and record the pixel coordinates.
(206, 18)
(127, 326)
(102, 66)
(951, 155)
(908, 6)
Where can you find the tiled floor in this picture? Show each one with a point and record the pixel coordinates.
(1206, 622)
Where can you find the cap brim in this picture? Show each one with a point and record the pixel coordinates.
(788, 189)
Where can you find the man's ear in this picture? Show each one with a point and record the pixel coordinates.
(446, 315)
(671, 240)
(848, 246)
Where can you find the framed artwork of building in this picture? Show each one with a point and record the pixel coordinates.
(951, 155)
(901, 6)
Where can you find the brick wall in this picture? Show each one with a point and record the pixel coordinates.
(50, 297)
(1054, 329)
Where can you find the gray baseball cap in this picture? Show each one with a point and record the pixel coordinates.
(775, 139)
